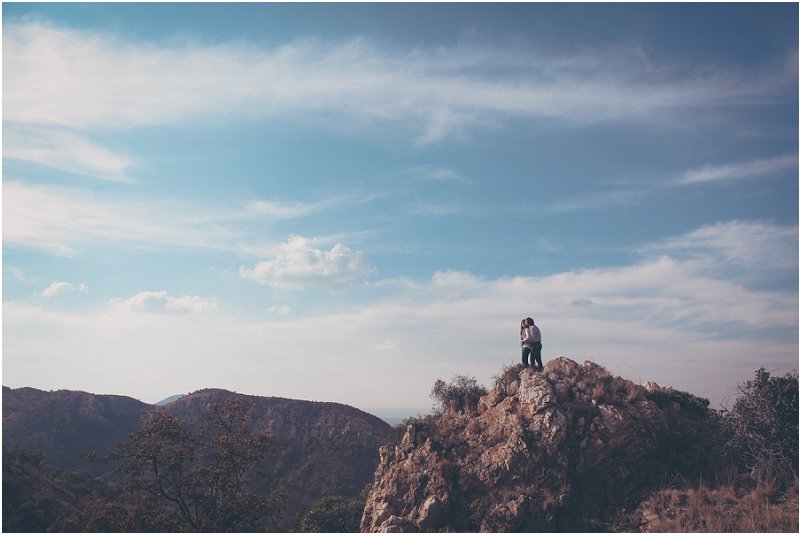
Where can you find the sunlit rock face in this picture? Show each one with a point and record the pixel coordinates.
(535, 448)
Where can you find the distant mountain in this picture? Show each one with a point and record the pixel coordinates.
(321, 449)
(167, 401)
(65, 423)
(393, 420)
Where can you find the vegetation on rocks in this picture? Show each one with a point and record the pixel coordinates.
(461, 393)
(577, 449)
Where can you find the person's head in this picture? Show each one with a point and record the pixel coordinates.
(529, 321)
(524, 323)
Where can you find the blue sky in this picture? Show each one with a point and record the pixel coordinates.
(346, 202)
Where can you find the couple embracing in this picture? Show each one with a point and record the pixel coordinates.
(531, 340)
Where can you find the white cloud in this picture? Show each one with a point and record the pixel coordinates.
(57, 288)
(672, 319)
(708, 174)
(596, 200)
(741, 170)
(434, 174)
(63, 220)
(51, 79)
(162, 302)
(298, 265)
(65, 151)
(388, 345)
(454, 279)
(18, 274)
(283, 310)
(755, 250)
(60, 220)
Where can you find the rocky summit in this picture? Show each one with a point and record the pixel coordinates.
(539, 452)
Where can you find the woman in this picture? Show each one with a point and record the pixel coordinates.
(530, 340)
(535, 340)
(525, 340)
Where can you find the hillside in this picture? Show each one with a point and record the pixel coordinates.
(539, 452)
(65, 423)
(321, 448)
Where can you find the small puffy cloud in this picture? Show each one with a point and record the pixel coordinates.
(388, 345)
(163, 302)
(60, 287)
(282, 310)
(299, 265)
(451, 278)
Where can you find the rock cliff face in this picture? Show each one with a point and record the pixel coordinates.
(570, 439)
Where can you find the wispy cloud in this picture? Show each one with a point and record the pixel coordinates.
(63, 220)
(596, 200)
(149, 301)
(432, 173)
(19, 274)
(431, 93)
(65, 151)
(740, 170)
(629, 195)
(299, 264)
(757, 250)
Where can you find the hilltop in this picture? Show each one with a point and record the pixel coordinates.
(567, 449)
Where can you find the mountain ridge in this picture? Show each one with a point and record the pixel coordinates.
(321, 447)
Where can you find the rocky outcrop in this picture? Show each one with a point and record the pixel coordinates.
(571, 438)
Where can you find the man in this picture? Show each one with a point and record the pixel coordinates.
(534, 341)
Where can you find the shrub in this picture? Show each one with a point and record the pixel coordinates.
(763, 424)
(689, 402)
(334, 514)
(462, 392)
(419, 423)
(508, 374)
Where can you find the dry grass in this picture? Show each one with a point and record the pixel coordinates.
(725, 509)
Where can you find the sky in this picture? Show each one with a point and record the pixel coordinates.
(347, 202)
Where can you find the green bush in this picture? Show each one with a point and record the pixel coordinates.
(334, 514)
(508, 374)
(462, 392)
